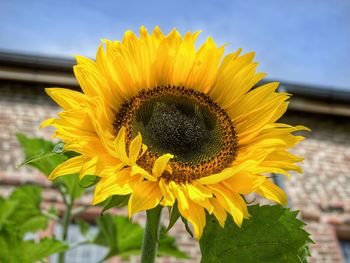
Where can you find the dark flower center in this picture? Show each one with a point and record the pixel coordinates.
(185, 123)
(175, 129)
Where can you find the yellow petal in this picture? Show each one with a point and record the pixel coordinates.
(47, 123)
(250, 125)
(157, 36)
(271, 191)
(227, 60)
(86, 78)
(117, 183)
(205, 67)
(143, 149)
(146, 195)
(255, 98)
(282, 165)
(101, 166)
(137, 170)
(168, 196)
(75, 119)
(165, 58)
(200, 195)
(184, 59)
(160, 164)
(283, 160)
(261, 150)
(232, 202)
(244, 182)
(239, 84)
(66, 98)
(89, 168)
(219, 212)
(135, 148)
(104, 126)
(86, 145)
(120, 147)
(231, 73)
(195, 214)
(227, 173)
(85, 61)
(71, 166)
(103, 64)
(179, 193)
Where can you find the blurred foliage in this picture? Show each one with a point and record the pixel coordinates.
(20, 214)
(124, 238)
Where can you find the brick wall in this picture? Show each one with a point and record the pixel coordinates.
(322, 192)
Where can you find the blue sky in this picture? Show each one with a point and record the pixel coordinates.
(298, 41)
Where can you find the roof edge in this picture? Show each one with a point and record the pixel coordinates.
(55, 70)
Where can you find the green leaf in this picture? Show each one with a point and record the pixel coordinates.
(46, 156)
(7, 207)
(44, 248)
(20, 213)
(30, 194)
(27, 214)
(35, 223)
(116, 201)
(119, 234)
(39, 153)
(83, 227)
(11, 245)
(15, 249)
(273, 234)
(124, 238)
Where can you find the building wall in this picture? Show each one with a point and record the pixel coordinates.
(322, 192)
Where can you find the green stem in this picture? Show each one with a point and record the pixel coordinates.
(66, 221)
(151, 235)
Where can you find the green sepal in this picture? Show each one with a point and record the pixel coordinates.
(115, 201)
(88, 181)
(173, 217)
(187, 227)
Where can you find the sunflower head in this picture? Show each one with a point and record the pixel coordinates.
(162, 121)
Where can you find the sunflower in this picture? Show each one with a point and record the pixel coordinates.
(169, 124)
